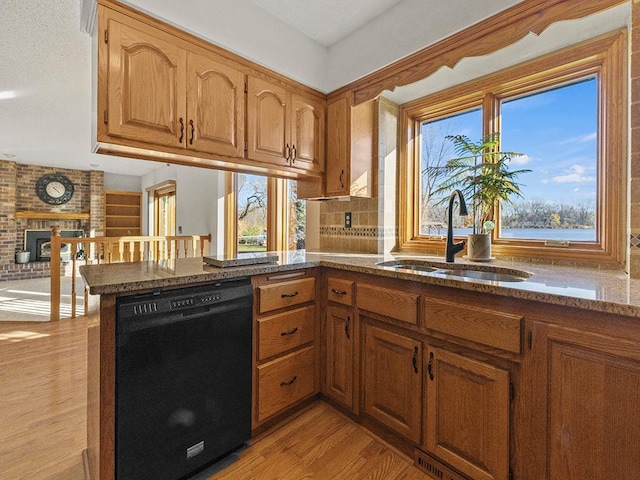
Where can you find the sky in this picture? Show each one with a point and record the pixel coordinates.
(556, 132)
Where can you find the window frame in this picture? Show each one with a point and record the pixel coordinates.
(277, 214)
(604, 57)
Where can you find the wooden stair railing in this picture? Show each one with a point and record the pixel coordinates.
(99, 250)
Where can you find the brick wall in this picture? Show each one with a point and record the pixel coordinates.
(17, 194)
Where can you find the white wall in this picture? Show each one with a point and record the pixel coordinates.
(249, 31)
(403, 29)
(127, 183)
(198, 195)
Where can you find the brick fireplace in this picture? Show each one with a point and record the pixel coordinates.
(21, 209)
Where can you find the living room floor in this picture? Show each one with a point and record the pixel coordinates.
(29, 300)
(43, 421)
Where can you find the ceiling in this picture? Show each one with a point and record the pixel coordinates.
(325, 21)
(46, 64)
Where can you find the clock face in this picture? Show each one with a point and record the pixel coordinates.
(54, 189)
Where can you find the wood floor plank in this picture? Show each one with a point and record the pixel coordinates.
(321, 444)
(43, 399)
(43, 421)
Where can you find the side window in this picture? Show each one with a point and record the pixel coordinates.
(252, 207)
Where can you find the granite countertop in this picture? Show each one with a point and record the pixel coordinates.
(610, 291)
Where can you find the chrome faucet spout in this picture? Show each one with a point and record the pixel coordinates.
(453, 248)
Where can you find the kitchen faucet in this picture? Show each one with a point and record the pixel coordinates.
(453, 248)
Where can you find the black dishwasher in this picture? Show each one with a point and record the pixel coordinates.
(183, 379)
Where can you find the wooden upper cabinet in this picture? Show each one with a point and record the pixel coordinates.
(467, 420)
(351, 149)
(307, 133)
(338, 175)
(215, 107)
(146, 85)
(164, 94)
(284, 128)
(267, 122)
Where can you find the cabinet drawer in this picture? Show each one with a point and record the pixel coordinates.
(284, 381)
(390, 303)
(285, 331)
(495, 329)
(340, 291)
(286, 294)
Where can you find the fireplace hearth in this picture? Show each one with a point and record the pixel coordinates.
(38, 242)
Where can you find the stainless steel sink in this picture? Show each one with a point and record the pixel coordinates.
(473, 272)
(484, 275)
(408, 265)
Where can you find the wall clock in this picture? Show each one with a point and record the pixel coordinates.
(54, 189)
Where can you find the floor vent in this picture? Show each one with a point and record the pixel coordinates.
(434, 468)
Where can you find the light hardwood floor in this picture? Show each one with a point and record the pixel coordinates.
(43, 421)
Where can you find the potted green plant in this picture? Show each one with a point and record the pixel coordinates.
(481, 172)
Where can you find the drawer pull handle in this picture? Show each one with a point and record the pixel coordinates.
(287, 153)
(290, 332)
(414, 360)
(193, 132)
(430, 366)
(338, 292)
(346, 327)
(181, 120)
(290, 382)
(289, 295)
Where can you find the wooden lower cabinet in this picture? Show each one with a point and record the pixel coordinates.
(339, 362)
(467, 414)
(285, 381)
(392, 380)
(286, 357)
(588, 411)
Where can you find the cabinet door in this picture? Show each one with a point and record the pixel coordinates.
(339, 338)
(307, 133)
(146, 86)
(215, 107)
(267, 122)
(593, 385)
(338, 178)
(393, 380)
(467, 422)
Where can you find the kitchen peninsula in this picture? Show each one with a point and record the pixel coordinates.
(543, 373)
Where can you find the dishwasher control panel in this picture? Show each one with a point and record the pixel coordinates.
(194, 301)
(182, 300)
